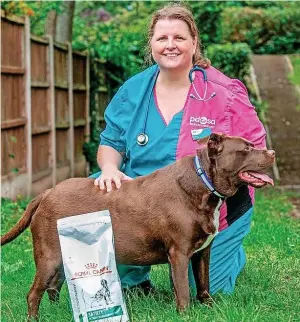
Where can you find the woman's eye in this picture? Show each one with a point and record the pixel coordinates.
(248, 148)
(179, 38)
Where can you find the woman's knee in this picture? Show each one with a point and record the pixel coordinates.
(227, 257)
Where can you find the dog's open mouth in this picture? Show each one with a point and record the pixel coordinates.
(255, 179)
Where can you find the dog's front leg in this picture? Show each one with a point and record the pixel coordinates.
(200, 264)
(179, 269)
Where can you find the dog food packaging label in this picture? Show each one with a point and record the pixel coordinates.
(90, 267)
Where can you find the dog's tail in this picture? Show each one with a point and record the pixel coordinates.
(24, 222)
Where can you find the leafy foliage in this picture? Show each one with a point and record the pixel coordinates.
(233, 60)
(19, 8)
(114, 34)
(267, 31)
(207, 15)
(115, 31)
(36, 10)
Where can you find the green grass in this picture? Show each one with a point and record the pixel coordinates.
(295, 76)
(267, 290)
(295, 60)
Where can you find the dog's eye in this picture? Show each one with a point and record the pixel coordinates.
(248, 148)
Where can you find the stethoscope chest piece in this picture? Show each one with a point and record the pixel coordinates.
(142, 139)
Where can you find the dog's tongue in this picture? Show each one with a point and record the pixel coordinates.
(262, 177)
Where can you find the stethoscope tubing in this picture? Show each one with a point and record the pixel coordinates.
(142, 138)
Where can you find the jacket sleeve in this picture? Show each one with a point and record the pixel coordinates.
(243, 117)
(112, 135)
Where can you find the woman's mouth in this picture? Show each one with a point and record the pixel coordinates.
(171, 55)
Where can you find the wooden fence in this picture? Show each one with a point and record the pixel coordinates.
(44, 110)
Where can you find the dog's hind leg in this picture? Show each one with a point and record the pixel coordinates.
(200, 264)
(179, 268)
(55, 285)
(46, 269)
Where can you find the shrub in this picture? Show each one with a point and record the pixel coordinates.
(266, 31)
(232, 59)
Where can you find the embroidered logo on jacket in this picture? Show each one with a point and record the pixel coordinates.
(201, 120)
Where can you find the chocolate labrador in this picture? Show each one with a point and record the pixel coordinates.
(162, 217)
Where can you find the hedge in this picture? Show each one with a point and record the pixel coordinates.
(232, 59)
(266, 31)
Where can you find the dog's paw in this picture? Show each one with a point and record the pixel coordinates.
(205, 298)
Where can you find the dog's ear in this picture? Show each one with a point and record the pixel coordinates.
(215, 145)
(203, 140)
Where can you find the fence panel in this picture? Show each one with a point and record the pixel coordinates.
(42, 153)
(81, 109)
(102, 93)
(13, 152)
(13, 107)
(44, 114)
(62, 115)
(40, 113)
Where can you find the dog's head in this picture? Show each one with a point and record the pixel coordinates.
(234, 161)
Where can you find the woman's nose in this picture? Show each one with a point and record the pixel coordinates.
(170, 43)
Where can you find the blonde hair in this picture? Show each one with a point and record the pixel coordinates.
(180, 12)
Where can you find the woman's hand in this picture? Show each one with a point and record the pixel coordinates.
(110, 174)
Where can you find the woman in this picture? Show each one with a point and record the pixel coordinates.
(157, 116)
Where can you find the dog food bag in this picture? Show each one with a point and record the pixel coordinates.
(90, 267)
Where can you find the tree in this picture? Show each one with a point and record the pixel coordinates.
(60, 24)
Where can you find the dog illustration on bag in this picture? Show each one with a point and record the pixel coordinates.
(97, 299)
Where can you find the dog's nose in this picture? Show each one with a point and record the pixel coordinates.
(271, 153)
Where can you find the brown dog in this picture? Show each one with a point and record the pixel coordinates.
(163, 217)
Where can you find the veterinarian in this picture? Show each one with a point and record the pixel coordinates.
(158, 115)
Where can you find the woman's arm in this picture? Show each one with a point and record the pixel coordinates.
(108, 157)
(243, 117)
(109, 161)
(112, 146)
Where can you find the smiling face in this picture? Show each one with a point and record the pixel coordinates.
(172, 45)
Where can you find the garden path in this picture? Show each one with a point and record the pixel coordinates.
(283, 114)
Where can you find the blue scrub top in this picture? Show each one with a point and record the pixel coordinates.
(125, 117)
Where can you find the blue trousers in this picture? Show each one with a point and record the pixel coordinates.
(227, 259)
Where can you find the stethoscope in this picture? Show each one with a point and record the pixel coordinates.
(142, 139)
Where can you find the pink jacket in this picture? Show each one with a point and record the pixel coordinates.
(229, 112)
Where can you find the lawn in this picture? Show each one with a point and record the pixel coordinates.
(295, 77)
(267, 290)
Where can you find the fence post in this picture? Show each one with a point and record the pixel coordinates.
(27, 60)
(51, 104)
(71, 109)
(87, 109)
